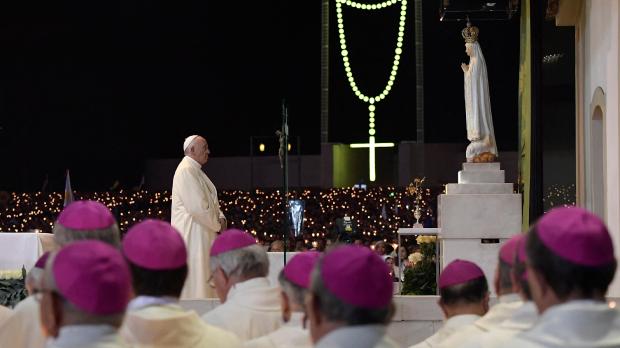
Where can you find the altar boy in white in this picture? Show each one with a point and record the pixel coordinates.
(294, 281)
(463, 298)
(157, 257)
(250, 305)
(570, 264)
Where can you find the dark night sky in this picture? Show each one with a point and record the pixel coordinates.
(99, 87)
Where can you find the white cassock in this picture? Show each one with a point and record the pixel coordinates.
(504, 309)
(23, 329)
(575, 324)
(291, 334)
(359, 336)
(88, 336)
(449, 328)
(5, 313)
(170, 325)
(521, 320)
(252, 309)
(195, 213)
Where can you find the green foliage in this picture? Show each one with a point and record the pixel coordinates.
(12, 291)
(420, 279)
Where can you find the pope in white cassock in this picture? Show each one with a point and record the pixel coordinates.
(196, 214)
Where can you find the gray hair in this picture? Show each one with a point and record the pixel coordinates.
(335, 309)
(64, 235)
(72, 314)
(295, 292)
(34, 277)
(248, 262)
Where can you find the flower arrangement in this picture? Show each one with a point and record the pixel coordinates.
(425, 239)
(12, 287)
(420, 279)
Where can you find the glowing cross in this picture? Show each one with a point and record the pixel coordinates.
(371, 145)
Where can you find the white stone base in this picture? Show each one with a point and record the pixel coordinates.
(457, 189)
(481, 176)
(495, 166)
(479, 215)
(484, 255)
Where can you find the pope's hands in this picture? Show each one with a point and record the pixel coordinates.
(223, 225)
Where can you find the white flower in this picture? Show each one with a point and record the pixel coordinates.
(415, 257)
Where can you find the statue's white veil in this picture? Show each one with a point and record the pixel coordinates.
(478, 101)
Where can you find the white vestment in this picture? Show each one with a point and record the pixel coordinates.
(291, 335)
(172, 326)
(522, 319)
(23, 328)
(503, 310)
(575, 324)
(449, 328)
(195, 213)
(5, 313)
(478, 106)
(87, 336)
(252, 309)
(358, 336)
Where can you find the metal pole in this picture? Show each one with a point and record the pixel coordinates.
(299, 163)
(325, 71)
(251, 163)
(285, 175)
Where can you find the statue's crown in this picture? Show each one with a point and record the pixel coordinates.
(470, 33)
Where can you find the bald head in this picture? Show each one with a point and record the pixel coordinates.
(198, 149)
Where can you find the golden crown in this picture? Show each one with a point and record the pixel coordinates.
(470, 33)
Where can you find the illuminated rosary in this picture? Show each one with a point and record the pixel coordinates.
(371, 145)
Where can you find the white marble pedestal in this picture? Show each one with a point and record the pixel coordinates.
(477, 215)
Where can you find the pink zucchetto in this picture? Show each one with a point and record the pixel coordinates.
(155, 245)
(508, 251)
(459, 272)
(357, 276)
(86, 215)
(230, 240)
(42, 260)
(577, 236)
(300, 267)
(93, 276)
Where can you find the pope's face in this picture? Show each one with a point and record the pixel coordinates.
(201, 150)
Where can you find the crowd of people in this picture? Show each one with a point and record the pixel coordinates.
(101, 289)
(377, 212)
